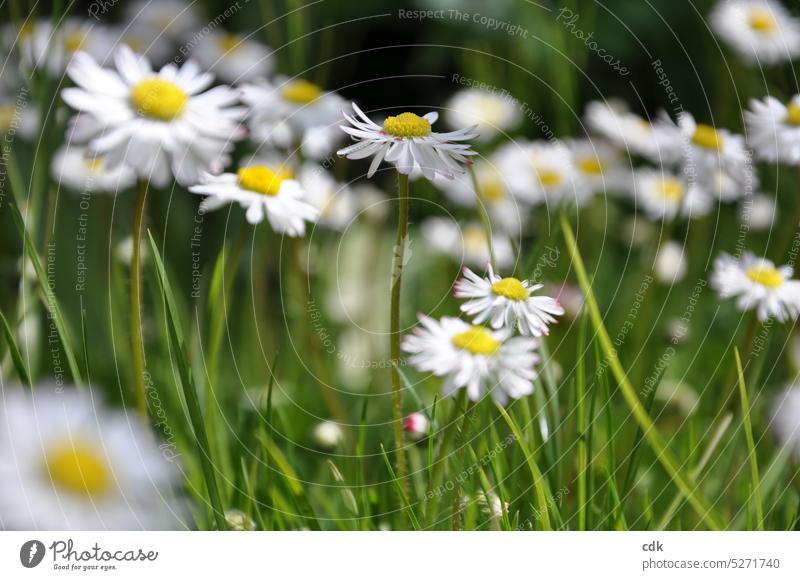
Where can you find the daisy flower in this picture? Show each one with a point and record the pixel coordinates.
(709, 149)
(670, 264)
(599, 166)
(42, 46)
(285, 111)
(264, 191)
(233, 58)
(79, 171)
(327, 434)
(761, 31)
(507, 303)
(416, 425)
(759, 212)
(538, 172)
(407, 142)
(473, 358)
(18, 117)
(664, 195)
(336, 203)
(491, 113)
(174, 19)
(67, 463)
(786, 418)
(466, 244)
(158, 123)
(773, 129)
(757, 284)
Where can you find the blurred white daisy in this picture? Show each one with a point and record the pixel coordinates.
(492, 113)
(466, 244)
(238, 521)
(416, 425)
(761, 31)
(729, 184)
(507, 303)
(42, 46)
(786, 417)
(758, 212)
(708, 149)
(75, 168)
(757, 283)
(670, 264)
(286, 112)
(600, 167)
(664, 195)
(68, 463)
(538, 172)
(233, 58)
(159, 124)
(327, 434)
(264, 191)
(18, 117)
(336, 203)
(174, 19)
(407, 142)
(473, 358)
(773, 129)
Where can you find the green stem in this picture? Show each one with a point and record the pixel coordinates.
(394, 332)
(137, 340)
(482, 213)
(437, 470)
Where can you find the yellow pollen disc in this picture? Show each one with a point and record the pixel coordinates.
(26, 30)
(78, 468)
(477, 340)
(94, 164)
(158, 99)
(510, 288)
(766, 276)
(6, 117)
(493, 190)
(135, 43)
(793, 114)
(549, 178)
(262, 179)
(407, 125)
(474, 240)
(301, 92)
(762, 20)
(671, 189)
(708, 137)
(591, 165)
(229, 43)
(73, 41)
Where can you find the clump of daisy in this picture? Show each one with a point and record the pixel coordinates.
(233, 58)
(758, 284)
(264, 191)
(507, 303)
(761, 31)
(408, 142)
(159, 124)
(69, 463)
(490, 112)
(773, 129)
(474, 358)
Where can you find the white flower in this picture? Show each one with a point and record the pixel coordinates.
(757, 283)
(327, 434)
(761, 31)
(466, 244)
(336, 203)
(264, 191)
(664, 195)
(507, 303)
(538, 172)
(707, 149)
(123, 252)
(233, 58)
(728, 185)
(758, 213)
(67, 463)
(473, 358)
(41, 46)
(773, 129)
(416, 425)
(147, 41)
(786, 418)
(670, 265)
(174, 19)
(285, 112)
(407, 142)
(18, 117)
(156, 123)
(239, 521)
(599, 166)
(490, 112)
(77, 169)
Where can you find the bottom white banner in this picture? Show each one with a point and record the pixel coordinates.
(399, 555)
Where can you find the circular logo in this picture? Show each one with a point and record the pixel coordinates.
(31, 553)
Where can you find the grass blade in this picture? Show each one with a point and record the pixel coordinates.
(13, 349)
(755, 496)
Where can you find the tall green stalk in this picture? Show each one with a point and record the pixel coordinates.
(137, 340)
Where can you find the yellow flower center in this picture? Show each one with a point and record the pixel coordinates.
(477, 340)
(549, 178)
(793, 114)
(79, 468)
(510, 288)
(262, 179)
(708, 137)
(229, 43)
(493, 190)
(671, 189)
(766, 276)
(407, 125)
(591, 165)
(94, 165)
(158, 99)
(762, 21)
(73, 41)
(6, 117)
(474, 240)
(301, 92)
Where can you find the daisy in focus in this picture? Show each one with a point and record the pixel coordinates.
(286, 112)
(159, 124)
(67, 463)
(473, 358)
(265, 191)
(233, 58)
(507, 303)
(773, 129)
(490, 112)
(761, 31)
(408, 142)
(757, 284)
(76, 169)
